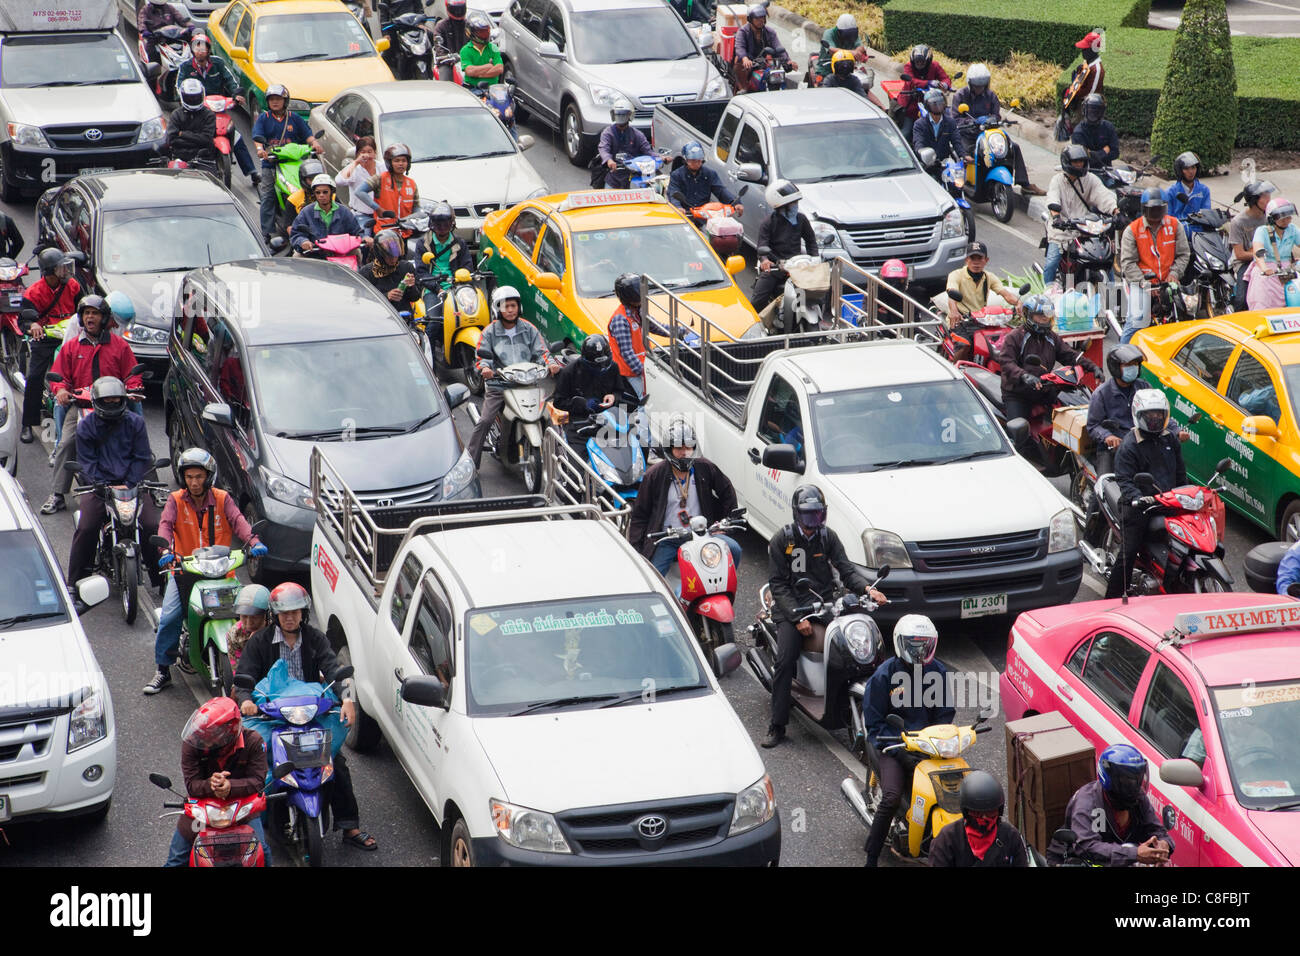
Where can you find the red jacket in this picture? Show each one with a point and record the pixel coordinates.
(80, 362)
(39, 295)
(935, 74)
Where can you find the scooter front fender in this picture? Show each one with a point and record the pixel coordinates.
(999, 174)
(222, 144)
(533, 433)
(306, 802)
(925, 806)
(469, 335)
(716, 607)
(216, 632)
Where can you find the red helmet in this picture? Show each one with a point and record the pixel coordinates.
(289, 597)
(893, 269)
(215, 727)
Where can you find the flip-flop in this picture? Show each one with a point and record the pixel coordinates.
(359, 840)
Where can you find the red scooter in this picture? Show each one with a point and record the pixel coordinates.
(717, 220)
(983, 345)
(225, 138)
(225, 837)
(11, 304)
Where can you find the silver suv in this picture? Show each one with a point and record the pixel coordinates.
(572, 61)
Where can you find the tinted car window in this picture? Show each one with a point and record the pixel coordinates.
(28, 585)
(245, 32)
(1251, 388)
(1114, 668)
(781, 421)
(231, 19)
(407, 578)
(749, 149)
(553, 26)
(727, 132)
(550, 257)
(1168, 714)
(1206, 356)
(523, 232)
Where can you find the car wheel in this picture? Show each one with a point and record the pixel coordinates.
(1289, 527)
(175, 445)
(8, 191)
(461, 849)
(363, 735)
(576, 146)
(257, 572)
(508, 77)
(968, 214)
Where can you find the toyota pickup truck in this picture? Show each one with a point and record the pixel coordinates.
(867, 196)
(537, 680)
(918, 476)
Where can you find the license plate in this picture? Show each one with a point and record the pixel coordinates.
(93, 170)
(984, 605)
(4, 808)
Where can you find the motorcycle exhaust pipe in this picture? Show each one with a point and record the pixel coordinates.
(853, 797)
(1096, 559)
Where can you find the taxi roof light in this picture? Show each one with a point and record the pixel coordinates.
(1279, 325)
(609, 197)
(1231, 621)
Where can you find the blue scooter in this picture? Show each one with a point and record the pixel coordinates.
(646, 171)
(615, 437)
(989, 179)
(500, 99)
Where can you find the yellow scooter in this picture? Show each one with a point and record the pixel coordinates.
(933, 800)
(454, 338)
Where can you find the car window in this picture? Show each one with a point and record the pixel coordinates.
(193, 322)
(74, 216)
(407, 578)
(231, 19)
(523, 232)
(245, 33)
(553, 26)
(1114, 668)
(529, 14)
(1168, 714)
(781, 421)
(228, 371)
(1206, 356)
(1080, 655)
(429, 643)
(343, 114)
(1251, 388)
(220, 343)
(550, 255)
(726, 133)
(749, 148)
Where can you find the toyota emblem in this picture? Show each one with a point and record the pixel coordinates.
(94, 135)
(652, 827)
(385, 503)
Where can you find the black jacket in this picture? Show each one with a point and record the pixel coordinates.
(849, 82)
(945, 144)
(388, 283)
(821, 557)
(650, 508)
(1088, 807)
(951, 848)
(1092, 137)
(577, 382)
(11, 240)
(1050, 348)
(1161, 457)
(779, 239)
(318, 660)
(686, 190)
(191, 132)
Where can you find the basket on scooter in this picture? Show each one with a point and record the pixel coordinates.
(234, 847)
(307, 748)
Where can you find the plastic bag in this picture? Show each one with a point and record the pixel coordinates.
(276, 685)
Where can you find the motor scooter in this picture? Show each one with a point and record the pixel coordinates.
(287, 161)
(173, 49)
(645, 171)
(224, 141)
(447, 63)
(900, 98)
(342, 250)
(803, 304)
(1119, 178)
(992, 325)
(515, 438)
(769, 74)
(1087, 260)
(410, 55)
(500, 99)
(1213, 270)
(225, 837)
(12, 334)
(989, 178)
(615, 439)
(454, 311)
(718, 222)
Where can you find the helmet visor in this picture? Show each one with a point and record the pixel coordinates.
(1127, 784)
(389, 246)
(919, 648)
(811, 516)
(1152, 420)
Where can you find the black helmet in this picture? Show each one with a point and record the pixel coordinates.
(308, 170)
(456, 9)
(920, 58)
(1094, 108)
(442, 213)
(981, 792)
(1074, 160)
(628, 289)
(809, 507)
(99, 304)
(1120, 356)
(1153, 199)
(1258, 190)
(756, 10)
(595, 351)
(679, 434)
(1183, 162)
(55, 260)
(388, 246)
(479, 26)
(108, 398)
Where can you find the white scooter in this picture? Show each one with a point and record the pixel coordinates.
(518, 429)
(803, 304)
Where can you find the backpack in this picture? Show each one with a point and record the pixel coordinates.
(598, 171)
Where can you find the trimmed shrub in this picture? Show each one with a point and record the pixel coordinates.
(1198, 104)
(871, 19)
(1022, 76)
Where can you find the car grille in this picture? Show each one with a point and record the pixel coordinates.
(961, 554)
(26, 780)
(690, 822)
(397, 497)
(893, 237)
(875, 262)
(25, 739)
(113, 136)
(961, 589)
(477, 211)
(646, 110)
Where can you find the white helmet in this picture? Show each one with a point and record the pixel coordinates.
(322, 180)
(503, 293)
(846, 22)
(782, 193)
(978, 75)
(916, 638)
(1150, 411)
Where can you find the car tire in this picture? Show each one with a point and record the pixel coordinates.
(257, 572)
(175, 445)
(508, 77)
(9, 192)
(460, 849)
(577, 147)
(364, 734)
(1289, 526)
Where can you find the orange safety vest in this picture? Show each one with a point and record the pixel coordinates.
(638, 345)
(400, 201)
(189, 533)
(1156, 254)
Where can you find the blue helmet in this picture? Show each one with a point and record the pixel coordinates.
(693, 150)
(122, 306)
(253, 599)
(1122, 770)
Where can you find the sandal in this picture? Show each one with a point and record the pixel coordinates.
(361, 840)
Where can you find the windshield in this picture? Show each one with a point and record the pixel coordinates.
(447, 134)
(1291, 379)
(928, 423)
(820, 152)
(310, 36)
(1257, 727)
(673, 255)
(603, 37)
(29, 588)
(80, 59)
(339, 389)
(157, 240)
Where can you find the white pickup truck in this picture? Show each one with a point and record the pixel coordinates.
(917, 474)
(537, 681)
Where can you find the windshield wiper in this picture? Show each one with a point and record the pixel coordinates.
(890, 172)
(421, 423)
(85, 82)
(564, 702)
(970, 456)
(699, 284)
(1294, 804)
(438, 159)
(655, 694)
(305, 56)
(24, 618)
(338, 432)
(352, 56)
(635, 59)
(837, 176)
(901, 463)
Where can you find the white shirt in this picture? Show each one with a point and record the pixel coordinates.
(359, 176)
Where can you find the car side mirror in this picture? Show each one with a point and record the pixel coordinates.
(1018, 430)
(1144, 481)
(1261, 426)
(526, 141)
(547, 281)
(895, 721)
(236, 53)
(549, 51)
(457, 395)
(735, 265)
(927, 156)
(382, 44)
(93, 590)
(1181, 773)
(424, 691)
(1223, 465)
(728, 658)
(782, 458)
(751, 173)
(219, 414)
(277, 243)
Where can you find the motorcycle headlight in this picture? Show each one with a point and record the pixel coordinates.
(212, 568)
(754, 806)
(89, 722)
(299, 714)
(607, 471)
(1061, 532)
(221, 817)
(1216, 263)
(23, 135)
(608, 96)
(861, 642)
(947, 746)
(1126, 176)
(1191, 502)
(460, 478)
(288, 491)
(467, 299)
(954, 224)
(9, 273)
(924, 745)
(528, 829)
(885, 549)
(151, 130)
(827, 235)
(711, 555)
(996, 144)
(955, 173)
(125, 510)
(716, 89)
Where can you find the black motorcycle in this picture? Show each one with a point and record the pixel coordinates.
(1089, 254)
(1119, 179)
(1212, 271)
(410, 55)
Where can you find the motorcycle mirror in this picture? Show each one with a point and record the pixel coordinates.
(1054, 207)
(557, 346)
(162, 463)
(1033, 361)
(135, 370)
(895, 721)
(160, 781)
(1293, 589)
(1223, 465)
(29, 315)
(1169, 816)
(1024, 288)
(882, 573)
(158, 541)
(1196, 417)
(803, 583)
(1182, 197)
(1144, 481)
(742, 190)
(78, 257)
(343, 673)
(954, 295)
(283, 770)
(71, 466)
(1065, 836)
(259, 526)
(244, 681)
(958, 75)
(963, 108)
(737, 514)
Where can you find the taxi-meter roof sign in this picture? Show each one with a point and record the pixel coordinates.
(609, 197)
(1236, 620)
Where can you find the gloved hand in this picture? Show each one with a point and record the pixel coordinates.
(257, 550)
(166, 560)
(1033, 381)
(1060, 222)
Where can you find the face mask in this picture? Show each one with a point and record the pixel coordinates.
(791, 213)
(1129, 373)
(982, 823)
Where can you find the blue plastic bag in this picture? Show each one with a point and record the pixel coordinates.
(277, 684)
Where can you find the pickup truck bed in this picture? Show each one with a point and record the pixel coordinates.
(700, 118)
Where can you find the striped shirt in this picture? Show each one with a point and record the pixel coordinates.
(291, 655)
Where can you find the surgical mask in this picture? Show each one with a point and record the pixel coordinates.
(1129, 373)
(791, 212)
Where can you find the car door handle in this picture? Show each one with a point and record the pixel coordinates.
(397, 672)
(754, 456)
(1064, 691)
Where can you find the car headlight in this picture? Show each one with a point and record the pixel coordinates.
(861, 642)
(954, 224)
(467, 299)
(299, 106)
(1061, 532)
(23, 135)
(89, 722)
(4, 411)
(885, 549)
(151, 130)
(716, 89)
(827, 235)
(527, 829)
(288, 491)
(947, 746)
(538, 193)
(299, 714)
(711, 554)
(754, 806)
(460, 477)
(144, 335)
(608, 96)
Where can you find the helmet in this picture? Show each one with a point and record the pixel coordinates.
(192, 94)
(108, 398)
(782, 193)
(99, 304)
(628, 289)
(479, 26)
(1038, 305)
(215, 727)
(693, 150)
(1094, 108)
(456, 9)
(388, 246)
(1257, 190)
(595, 351)
(1122, 770)
(980, 792)
(277, 89)
(503, 294)
(1153, 198)
(978, 76)
(756, 10)
(1279, 208)
(679, 434)
(920, 58)
(915, 639)
(1183, 162)
(894, 269)
(253, 599)
(842, 62)
(309, 169)
(846, 30)
(809, 507)
(443, 213)
(1120, 356)
(122, 306)
(289, 597)
(199, 40)
(323, 179)
(55, 261)
(1074, 160)
(934, 98)
(392, 152)
(1150, 411)
(197, 458)
(621, 115)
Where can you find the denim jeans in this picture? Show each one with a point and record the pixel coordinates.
(665, 555)
(240, 150)
(266, 198)
(1137, 309)
(1051, 262)
(170, 618)
(178, 854)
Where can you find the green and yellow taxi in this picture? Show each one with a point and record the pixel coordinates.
(314, 47)
(1242, 372)
(563, 253)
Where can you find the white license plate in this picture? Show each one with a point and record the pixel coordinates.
(4, 808)
(93, 170)
(984, 605)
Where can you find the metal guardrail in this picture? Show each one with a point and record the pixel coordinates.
(567, 479)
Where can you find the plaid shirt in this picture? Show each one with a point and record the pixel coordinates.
(293, 655)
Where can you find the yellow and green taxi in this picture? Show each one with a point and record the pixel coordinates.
(314, 47)
(563, 252)
(1242, 372)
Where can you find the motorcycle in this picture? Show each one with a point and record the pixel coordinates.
(1119, 179)
(1087, 257)
(835, 661)
(984, 345)
(225, 837)
(341, 250)
(462, 306)
(225, 139)
(1170, 302)
(804, 302)
(447, 63)
(173, 49)
(768, 75)
(500, 99)
(645, 171)
(411, 54)
(287, 161)
(932, 802)
(989, 179)
(614, 439)
(718, 222)
(1213, 270)
(12, 333)
(900, 98)
(708, 582)
(518, 429)
(954, 180)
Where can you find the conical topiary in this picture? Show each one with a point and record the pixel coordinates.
(1198, 104)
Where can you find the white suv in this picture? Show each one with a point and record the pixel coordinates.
(58, 742)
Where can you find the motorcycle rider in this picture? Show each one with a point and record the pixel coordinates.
(984, 838)
(151, 16)
(1113, 400)
(480, 60)
(1241, 232)
(974, 283)
(1112, 817)
(393, 194)
(253, 607)
(779, 238)
(1276, 247)
(691, 184)
(192, 127)
(1186, 167)
(450, 252)
(1154, 250)
(751, 40)
(937, 131)
(1097, 134)
(324, 217)
(310, 658)
(921, 72)
(53, 298)
(896, 687)
(389, 270)
(620, 137)
(625, 332)
(979, 97)
(841, 38)
(842, 76)
(1150, 448)
(198, 515)
(587, 386)
(805, 548)
(450, 35)
(220, 759)
(351, 176)
(1078, 193)
(277, 127)
(508, 338)
(215, 75)
(673, 491)
(95, 352)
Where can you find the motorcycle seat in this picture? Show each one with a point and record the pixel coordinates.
(815, 643)
(988, 383)
(1111, 497)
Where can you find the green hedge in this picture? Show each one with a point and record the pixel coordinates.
(1048, 29)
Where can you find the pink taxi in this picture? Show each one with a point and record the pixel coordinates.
(1207, 686)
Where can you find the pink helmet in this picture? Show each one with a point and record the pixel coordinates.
(1279, 208)
(894, 269)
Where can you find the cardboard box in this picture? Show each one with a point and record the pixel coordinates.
(1070, 428)
(47, 16)
(1047, 762)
